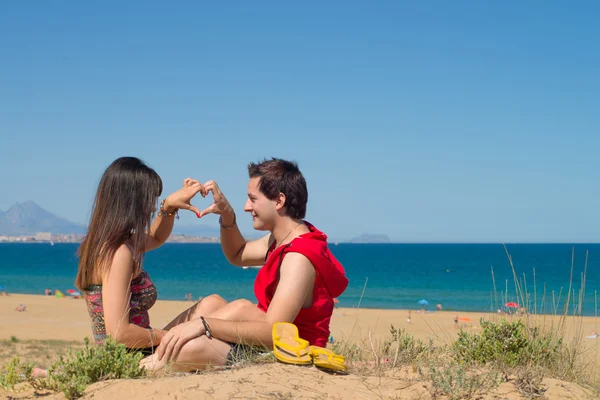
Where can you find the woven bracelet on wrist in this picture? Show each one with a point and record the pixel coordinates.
(227, 226)
(207, 331)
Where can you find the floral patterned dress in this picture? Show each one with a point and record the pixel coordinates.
(143, 297)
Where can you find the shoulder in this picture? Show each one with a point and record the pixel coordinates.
(296, 263)
(123, 253)
(123, 259)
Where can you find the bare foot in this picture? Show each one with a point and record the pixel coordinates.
(39, 373)
(151, 364)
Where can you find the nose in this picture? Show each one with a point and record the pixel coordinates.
(248, 206)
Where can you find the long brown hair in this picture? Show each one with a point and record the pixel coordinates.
(122, 212)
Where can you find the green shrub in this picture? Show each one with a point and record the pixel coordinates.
(407, 347)
(507, 343)
(14, 373)
(73, 373)
(455, 382)
(112, 360)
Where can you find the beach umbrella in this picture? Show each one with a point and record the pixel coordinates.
(512, 304)
(72, 291)
(423, 302)
(336, 301)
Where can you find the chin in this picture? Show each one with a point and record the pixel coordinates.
(259, 226)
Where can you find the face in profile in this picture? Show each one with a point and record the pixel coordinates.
(262, 209)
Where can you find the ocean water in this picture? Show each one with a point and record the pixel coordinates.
(458, 276)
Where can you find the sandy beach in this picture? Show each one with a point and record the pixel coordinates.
(51, 318)
(66, 319)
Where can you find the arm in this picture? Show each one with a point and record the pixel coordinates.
(296, 283)
(238, 251)
(161, 228)
(163, 225)
(115, 299)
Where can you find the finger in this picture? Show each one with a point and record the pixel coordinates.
(207, 210)
(163, 346)
(197, 186)
(169, 350)
(211, 186)
(177, 349)
(194, 210)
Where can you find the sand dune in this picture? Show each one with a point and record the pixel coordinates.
(49, 318)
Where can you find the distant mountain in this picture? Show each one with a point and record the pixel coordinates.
(370, 238)
(28, 218)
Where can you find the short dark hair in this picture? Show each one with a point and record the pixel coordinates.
(282, 176)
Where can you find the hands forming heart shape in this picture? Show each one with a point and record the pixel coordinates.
(182, 198)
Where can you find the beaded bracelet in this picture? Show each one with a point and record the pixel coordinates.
(163, 213)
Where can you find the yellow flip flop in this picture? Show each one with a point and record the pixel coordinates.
(287, 345)
(327, 359)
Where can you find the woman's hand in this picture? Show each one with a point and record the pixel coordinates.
(181, 198)
(173, 341)
(220, 203)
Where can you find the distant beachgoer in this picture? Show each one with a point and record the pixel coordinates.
(48, 292)
(439, 307)
(298, 282)
(21, 308)
(594, 335)
(455, 320)
(409, 319)
(3, 293)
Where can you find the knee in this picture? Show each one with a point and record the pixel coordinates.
(194, 347)
(213, 301)
(242, 303)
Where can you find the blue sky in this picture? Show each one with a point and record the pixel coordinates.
(425, 121)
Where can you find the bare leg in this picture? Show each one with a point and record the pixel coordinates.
(239, 310)
(203, 352)
(204, 307)
(197, 354)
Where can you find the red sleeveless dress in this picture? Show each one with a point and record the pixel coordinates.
(330, 282)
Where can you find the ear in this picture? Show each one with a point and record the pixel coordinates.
(280, 201)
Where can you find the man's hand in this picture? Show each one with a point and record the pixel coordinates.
(220, 204)
(171, 344)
